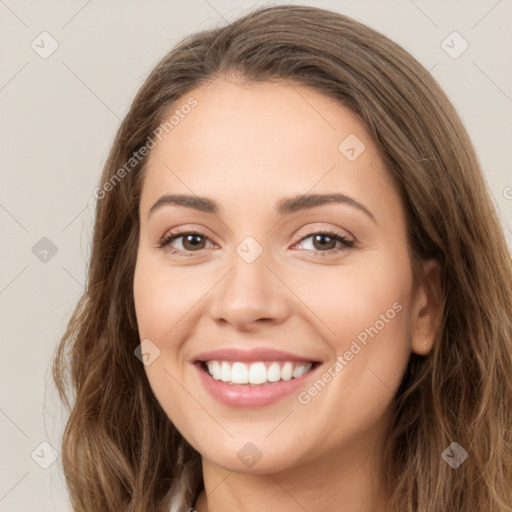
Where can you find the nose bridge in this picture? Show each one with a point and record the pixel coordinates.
(249, 291)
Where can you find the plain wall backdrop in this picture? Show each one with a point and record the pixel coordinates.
(59, 113)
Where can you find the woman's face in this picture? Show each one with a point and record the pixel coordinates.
(272, 285)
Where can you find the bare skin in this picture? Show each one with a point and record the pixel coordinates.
(247, 147)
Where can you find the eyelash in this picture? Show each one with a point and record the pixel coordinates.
(171, 236)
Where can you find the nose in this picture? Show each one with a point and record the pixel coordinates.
(249, 295)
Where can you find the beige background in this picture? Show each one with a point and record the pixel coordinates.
(58, 118)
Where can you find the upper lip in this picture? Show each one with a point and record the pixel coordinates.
(254, 355)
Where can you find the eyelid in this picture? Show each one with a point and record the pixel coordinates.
(302, 233)
(170, 235)
(189, 229)
(175, 233)
(347, 242)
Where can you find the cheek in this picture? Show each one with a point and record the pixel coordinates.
(149, 290)
(159, 307)
(367, 311)
(162, 297)
(355, 298)
(178, 403)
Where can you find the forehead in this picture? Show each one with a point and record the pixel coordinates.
(255, 143)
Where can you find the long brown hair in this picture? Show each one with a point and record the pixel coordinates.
(120, 452)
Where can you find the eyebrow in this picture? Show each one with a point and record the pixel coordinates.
(285, 206)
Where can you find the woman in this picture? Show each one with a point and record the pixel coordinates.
(299, 295)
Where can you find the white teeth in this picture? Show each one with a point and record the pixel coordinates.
(225, 372)
(214, 369)
(287, 371)
(273, 372)
(298, 371)
(256, 373)
(239, 373)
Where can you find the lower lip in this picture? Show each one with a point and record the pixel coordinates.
(245, 395)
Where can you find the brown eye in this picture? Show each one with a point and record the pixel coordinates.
(192, 242)
(322, 241)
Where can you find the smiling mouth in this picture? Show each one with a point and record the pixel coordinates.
(258, 373)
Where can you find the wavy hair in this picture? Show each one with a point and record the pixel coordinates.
(461, 391)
